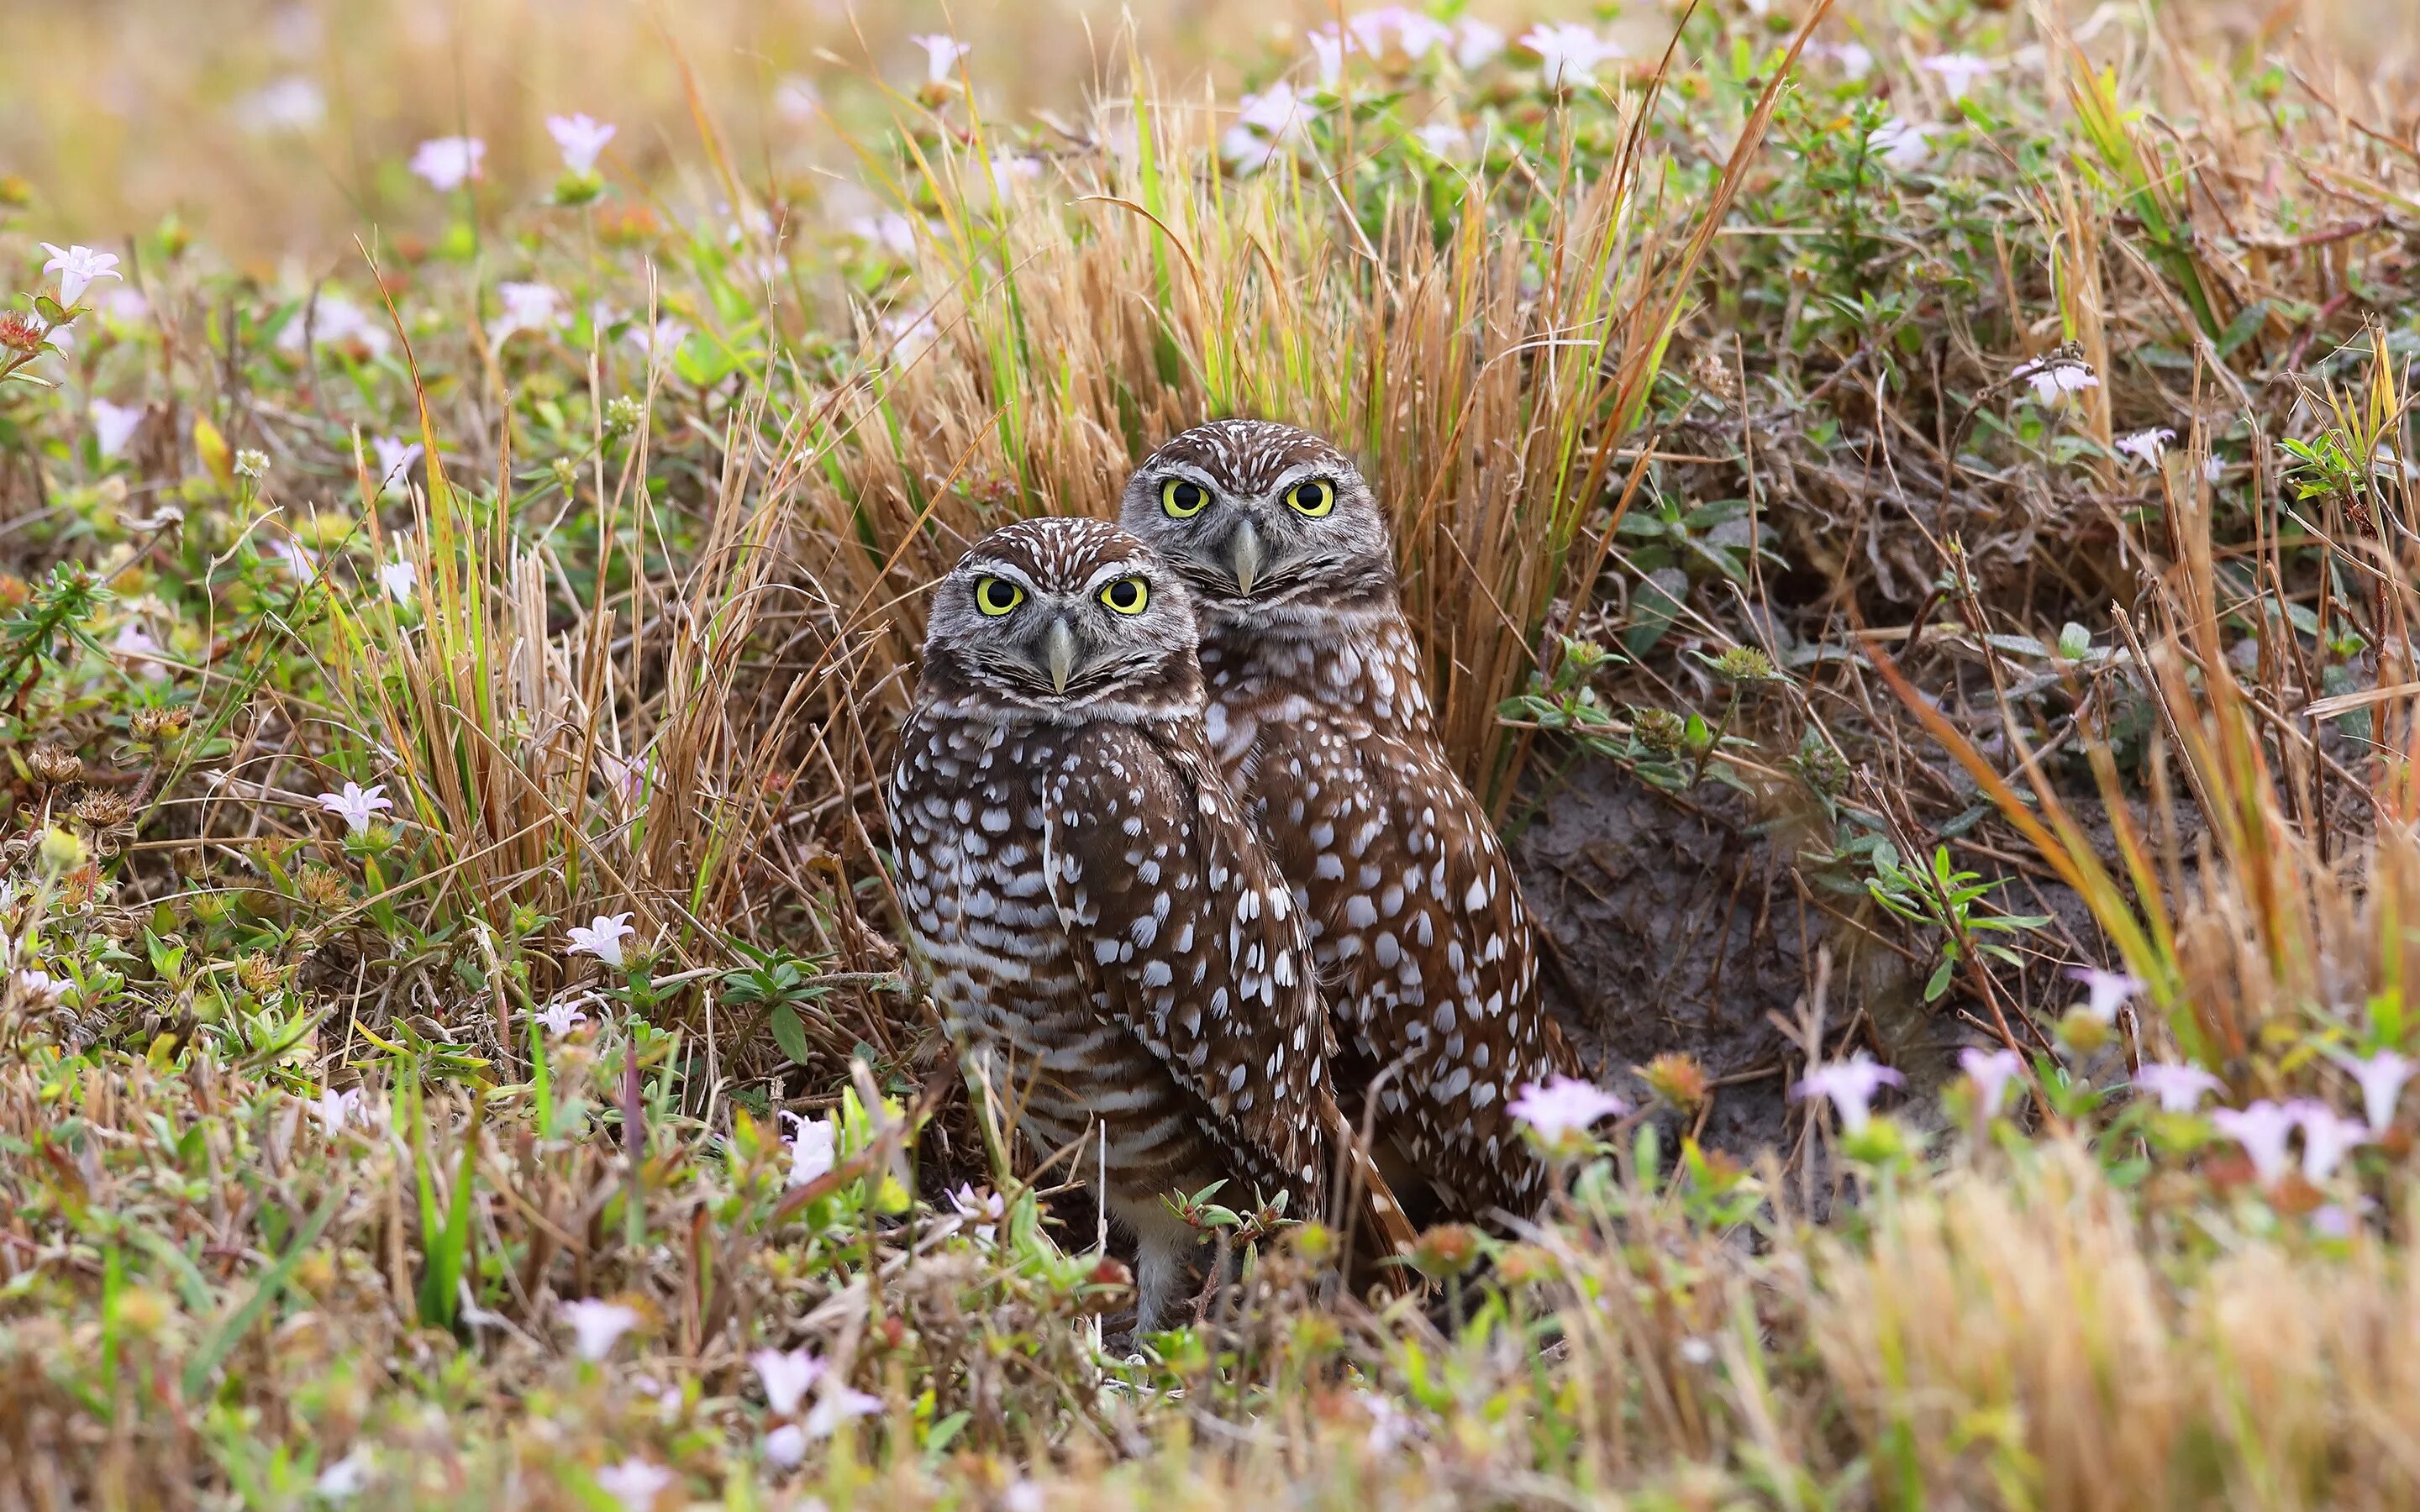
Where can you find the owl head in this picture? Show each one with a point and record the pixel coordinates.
(1267, 524)
(1063, 619)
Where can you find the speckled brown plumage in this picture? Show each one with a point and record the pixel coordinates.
(1319, 715)
(1102, 926)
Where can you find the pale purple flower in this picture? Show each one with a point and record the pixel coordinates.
(114, 424)
(1443, 139)
(602, 938)
(1263, 122)
(2146, 444)
(2332, 1222)
(448, 162)
(39, 989)
(2263, 1130)
(796, 99)
(634, 1483)
(580, 138)
(660, 340)
(2328, 1136)
(2180, 1088)
(1851, 1085)
(400, 577)
(814, 1147)
(908, 333)
(942, 54)
(1416, 33)
(1568, 54)
(134, 645)
(1564, 1106)
(344, 1479)
(1327, 50)
(356, 805)
(1012, 169)
(334, 1109)
(973, 1202)
(527, 307)
(1960, 71)
(1391, 1427)
(61, 337)
(334, 320)
(785, 1447)
(839, 1405)
(1902, 143)
(561, 1016)
(1024, 1496)
(1476, 44)
(2213, 467)
(2108, 990)
(1990, 1070)
(787, 1375)
(597, 1326)
(2382, 1077)
(2055, 377)
(77, 268)
(395, 459)
(1856, 60)
(892, 231)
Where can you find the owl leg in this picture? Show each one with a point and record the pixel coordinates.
(1163, 1243)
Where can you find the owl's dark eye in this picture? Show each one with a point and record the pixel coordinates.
(996, 596)
(1128, 595)
(1182, 498)
(1313, 499)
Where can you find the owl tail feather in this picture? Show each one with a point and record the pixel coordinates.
(1376, 1204)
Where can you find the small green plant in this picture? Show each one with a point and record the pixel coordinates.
(1947, 899)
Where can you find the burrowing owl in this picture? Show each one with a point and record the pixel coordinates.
(1319, 715)
(1101, 923)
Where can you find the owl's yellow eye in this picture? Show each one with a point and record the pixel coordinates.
(996, 596)
(1128, 595)
(1182, 498)
(1313, 499)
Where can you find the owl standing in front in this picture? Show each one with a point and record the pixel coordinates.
(1102, 926)
(1319, 715)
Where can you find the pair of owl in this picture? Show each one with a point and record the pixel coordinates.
(1179, 843)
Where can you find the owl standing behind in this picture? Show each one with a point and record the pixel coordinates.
(1099, 919)
(1319, 715)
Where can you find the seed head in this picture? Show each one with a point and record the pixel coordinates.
(1744, 664)
(102, 811)
(324, 888)
(1447, 1250)
(1660, 730)
(21, 331)
(1678, 1079)
(52, 767)
(156, 726)
(258, 974)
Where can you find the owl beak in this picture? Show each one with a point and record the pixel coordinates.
(1059, 654)
(1246, 557)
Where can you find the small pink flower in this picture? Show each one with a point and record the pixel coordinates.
(77, 268)
(602, 938)
(356, 805)
(787, 1375)
(2180, 1088)
(942, 54)
(580, 139)
(1990, 1070)
(1851, 1085)
(1564, 1106)
(2263, 1130)
(448, 162)
(1960, 71)
(2109, 991)
(2381, 1078)
(597, 1326)
(2328, 1137)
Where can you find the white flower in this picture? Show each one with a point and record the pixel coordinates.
(1960, 71)
(785, 1447)
(597, 1326)
(1856, 60)
(1443, 139)
(580, 139)
(634, 1483)
(1011, 169)
(2331, 1221)
(797, 99)
(908, 333)
(77, 267)
(356, 804)
(1263, 122)
(1568, 54)
(527, 307)
(1024, 1496)
(2213, 467)
(787, 1375)
(39, 989)
(395, 459)
(841, 1404)
(1417, 34)
(2328, 1136)
(1990, 1070)
(398, 577)
(344, 1479)
(334, 1109)
(812, 1149)
(126, 304)
(292, 103)
(114, 424)
(334, 321)
(1563, 1107)
(2180, 1088)
(1851, 1085)
(2381, 1078)
(61, 337)
(561, 1016)
(942, 54)
(1390, 1424)
(2109, 991)
(2053, 378)
(1327, 48)
(2146, 444)
(892, 231)
(447, 162)
(1904, 145)
(1476, 44)
(2263, 1130)
(133, 645)
(985, 1204)
(602, 937)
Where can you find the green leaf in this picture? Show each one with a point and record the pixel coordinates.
(1940, 981)
(790, 1033)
